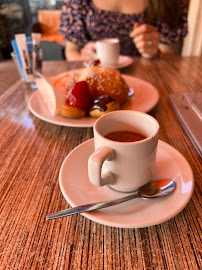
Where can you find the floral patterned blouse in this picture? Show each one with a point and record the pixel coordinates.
(82, 22)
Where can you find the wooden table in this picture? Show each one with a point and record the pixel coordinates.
(31, 154)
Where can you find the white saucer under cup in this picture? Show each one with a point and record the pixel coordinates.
(137, 213)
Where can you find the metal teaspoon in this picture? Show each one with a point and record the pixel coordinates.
(152, 190)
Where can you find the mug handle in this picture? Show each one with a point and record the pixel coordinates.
(92, 49)
(95, 163)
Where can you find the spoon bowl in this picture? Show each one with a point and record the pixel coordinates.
(157, 189)
(152, 190)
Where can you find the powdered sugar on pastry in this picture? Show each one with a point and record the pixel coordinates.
(105, 81)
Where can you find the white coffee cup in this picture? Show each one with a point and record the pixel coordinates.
(124, 166)
(107, 51)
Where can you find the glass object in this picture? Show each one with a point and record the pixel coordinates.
(36, 59)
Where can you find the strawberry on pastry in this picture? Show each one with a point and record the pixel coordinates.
(77, 101)
(79, 96)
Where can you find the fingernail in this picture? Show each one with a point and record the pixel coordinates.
(136, 25)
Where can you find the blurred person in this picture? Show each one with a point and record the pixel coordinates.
(144, 27)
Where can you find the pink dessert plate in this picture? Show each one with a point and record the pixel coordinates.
(142, 97)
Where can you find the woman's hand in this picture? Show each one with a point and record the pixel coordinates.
(146, 40)
(73, 52)
(85, 54)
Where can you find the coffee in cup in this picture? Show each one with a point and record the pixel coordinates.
(125, 136)
(125, 150)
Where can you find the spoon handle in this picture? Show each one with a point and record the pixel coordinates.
(91, 206)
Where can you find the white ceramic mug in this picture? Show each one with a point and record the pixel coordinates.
(124, 166)
(107, 51)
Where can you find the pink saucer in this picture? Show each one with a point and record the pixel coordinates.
(77, 189)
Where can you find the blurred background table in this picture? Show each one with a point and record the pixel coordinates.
(31, 154)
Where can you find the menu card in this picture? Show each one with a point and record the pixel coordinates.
(188, 107)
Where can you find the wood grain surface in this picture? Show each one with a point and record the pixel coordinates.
(31, 154)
